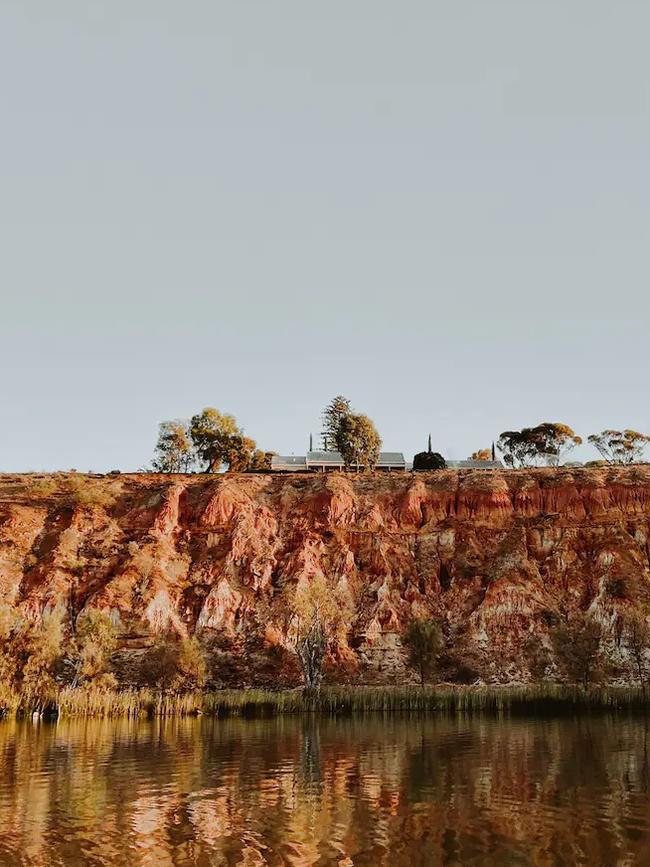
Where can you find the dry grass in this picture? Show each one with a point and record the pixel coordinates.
(89, 492)
(546, 699)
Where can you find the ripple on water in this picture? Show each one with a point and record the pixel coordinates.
(364, 792)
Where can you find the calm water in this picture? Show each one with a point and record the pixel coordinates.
(364, 792)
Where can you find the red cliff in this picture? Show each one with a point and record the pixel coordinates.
(498, 557)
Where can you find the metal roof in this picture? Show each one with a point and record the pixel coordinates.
(319, 457)
(391, 458)
(336, 459)
(331, 459)
(288, 461)
(475, 465)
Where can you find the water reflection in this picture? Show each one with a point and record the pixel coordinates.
(421, 791)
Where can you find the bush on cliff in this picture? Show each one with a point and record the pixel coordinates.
(429, 461)
(94, 641)
(89, 492)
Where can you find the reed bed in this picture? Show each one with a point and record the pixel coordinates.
(533, 700)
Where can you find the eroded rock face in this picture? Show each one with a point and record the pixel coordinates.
(498, 557)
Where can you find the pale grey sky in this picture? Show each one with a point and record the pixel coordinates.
(439, 209)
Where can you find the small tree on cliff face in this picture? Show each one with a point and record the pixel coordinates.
(317, 615)
(636, 638)
(620, 446)
(423, 641)
(38, 651)
(95, 638)
(358, 441)
(332, 415)
(173, 664)
(577, 648)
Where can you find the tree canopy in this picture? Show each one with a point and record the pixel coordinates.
(332, 415)
(210, 440)
(423, 641)
(620, 446)
(174, 451)
(429, 461)
(318, 614)
(547, 443)
(358, 441)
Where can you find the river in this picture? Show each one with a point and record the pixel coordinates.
(296, 791)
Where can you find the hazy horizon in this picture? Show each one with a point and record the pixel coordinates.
(439, 210)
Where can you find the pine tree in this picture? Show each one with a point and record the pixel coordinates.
(333, 414)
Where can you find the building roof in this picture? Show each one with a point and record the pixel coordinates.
(392, 458)
(331, 459)
(320, 457)
(386, 459)
(475, 465)
(293, 461)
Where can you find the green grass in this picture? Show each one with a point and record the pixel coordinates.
(534, 700)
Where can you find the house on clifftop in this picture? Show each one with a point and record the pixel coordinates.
(323, 462)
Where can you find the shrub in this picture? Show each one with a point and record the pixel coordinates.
(86, 492)
(429, 461)
(173, 664)
(95, 639)
(43, 488)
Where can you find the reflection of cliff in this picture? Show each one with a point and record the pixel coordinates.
(498, 556)
(422, 791)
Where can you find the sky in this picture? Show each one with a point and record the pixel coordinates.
(438, 209)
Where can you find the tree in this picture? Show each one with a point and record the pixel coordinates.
(332, 416)
(577, 648)
(173, 664)
(260, 461)
(481, 455)
(548, 442)
(636, 637)
(191, 665)
(429, 461)
(238, 452)
(218, 440)
(552, 440)
(317, 614)
(358, 441)
(174, 450)
(95, 638)
(9, 625)
(423, 641)
(620, 446)
(38, 651)
(516, 448)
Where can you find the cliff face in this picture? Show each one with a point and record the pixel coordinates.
(499, 557)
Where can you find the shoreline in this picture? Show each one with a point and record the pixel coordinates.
(333, 701)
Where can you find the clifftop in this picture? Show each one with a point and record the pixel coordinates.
(499, 556)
